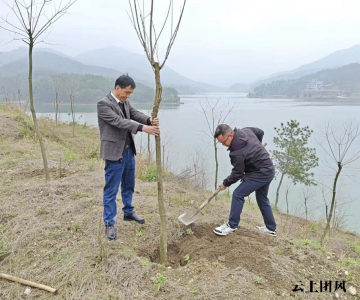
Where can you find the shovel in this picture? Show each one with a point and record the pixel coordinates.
(191, 215)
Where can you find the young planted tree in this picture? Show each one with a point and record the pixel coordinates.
(288, 187)
(341, 149)
(215, 113)
(71, 91)
(307, 193)
(293, 158)
(30, 19)
(144, 25)
(17, 81)
(58, 84)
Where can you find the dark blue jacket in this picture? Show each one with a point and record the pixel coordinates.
(248, 156)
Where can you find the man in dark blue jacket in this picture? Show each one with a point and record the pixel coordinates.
(253, 166)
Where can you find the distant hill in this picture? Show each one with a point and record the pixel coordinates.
(239, 88)
(108, 62)
(337, 59)
(344, 81)
(138, 65)
(51, 63)
(22, 53)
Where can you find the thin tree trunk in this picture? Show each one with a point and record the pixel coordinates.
(72, 113)
(162, 211)
(163, 157)
(327, 228)
(287, 202)
(56, 108)
(149, 151)
(278, 189)
(216, 165)
(306, 212)
(19, 97)
(33, 112)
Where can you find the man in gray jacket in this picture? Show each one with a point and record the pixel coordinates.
(253, 166)
(118, 122)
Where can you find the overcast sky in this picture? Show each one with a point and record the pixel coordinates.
(220, 42)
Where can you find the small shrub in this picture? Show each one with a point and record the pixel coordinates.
(189, 231)
(350, 262)
(187, 258)
(77, 196)
(313, 226)
(138, 233)
(218, 265)
(41, 210)
(148, 173)
(3, 248)
(257, 280)
(356, 248)
(158, 281)
(144, 262)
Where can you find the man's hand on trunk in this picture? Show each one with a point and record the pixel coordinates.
(155, 122)
(153, 130)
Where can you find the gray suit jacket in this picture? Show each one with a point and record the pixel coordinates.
(114, 126)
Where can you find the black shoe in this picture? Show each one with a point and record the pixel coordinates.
(134, 217)
(110, 232)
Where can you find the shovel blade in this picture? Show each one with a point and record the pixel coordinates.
(191, 215)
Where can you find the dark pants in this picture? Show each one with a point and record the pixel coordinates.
(117, 172)
(261, 189)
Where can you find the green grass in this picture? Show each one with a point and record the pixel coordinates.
(218, 265)
(356, 248)
(144, 262)
(279, 251)
(313, 226)
(158, 281)
(63, 256)
(346, 262)
(189, 231)
(77, 196)
(258, 280)
(3, 248)
(41, 210)
(70, 155)
(149, 173)
(138, 233)
(177, 199)
(187, 258)
(307, 242)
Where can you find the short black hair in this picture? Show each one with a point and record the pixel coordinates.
(124, 81)
(222, 129)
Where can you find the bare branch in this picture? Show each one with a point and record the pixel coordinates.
(167, 15)
(173, 37)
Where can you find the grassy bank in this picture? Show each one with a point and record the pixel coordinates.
(54, 234)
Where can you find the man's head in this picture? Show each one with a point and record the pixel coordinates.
(224, 134)
(124, 86)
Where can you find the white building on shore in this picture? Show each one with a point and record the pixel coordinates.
(315, 85)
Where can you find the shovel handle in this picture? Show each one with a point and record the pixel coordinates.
(208, 200)
(215, 194)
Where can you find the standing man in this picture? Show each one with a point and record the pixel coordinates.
(118, 122)
(253, 166)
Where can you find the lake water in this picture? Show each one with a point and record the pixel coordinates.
(182, 128)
